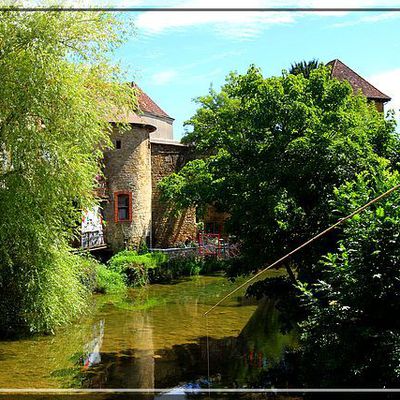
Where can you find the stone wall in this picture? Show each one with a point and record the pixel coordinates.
(169, 229)
(128, 169)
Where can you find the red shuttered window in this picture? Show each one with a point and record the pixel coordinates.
(122, 206)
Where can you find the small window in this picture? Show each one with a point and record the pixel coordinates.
(123, 206)
(118, 144)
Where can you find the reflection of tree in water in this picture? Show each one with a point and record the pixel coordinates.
(234, 361)
(264, 346)
(131, 368)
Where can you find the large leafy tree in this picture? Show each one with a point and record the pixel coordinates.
(271, 151)
(351, 337)
(57, 94)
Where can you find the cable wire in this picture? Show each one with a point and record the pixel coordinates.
(286, 256)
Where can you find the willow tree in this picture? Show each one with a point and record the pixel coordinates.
(58, 91)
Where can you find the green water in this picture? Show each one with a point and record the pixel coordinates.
(155, 337)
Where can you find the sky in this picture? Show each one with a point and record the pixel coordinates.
(175, 56)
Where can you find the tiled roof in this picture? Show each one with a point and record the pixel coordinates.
(147, 105)
(343, 72)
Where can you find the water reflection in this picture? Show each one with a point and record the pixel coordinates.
(235, 361)
(92, 349)
(156, 338)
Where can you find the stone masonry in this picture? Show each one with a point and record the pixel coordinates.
(169, 229)
(128, 170)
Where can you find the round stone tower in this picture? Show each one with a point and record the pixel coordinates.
(127, 212)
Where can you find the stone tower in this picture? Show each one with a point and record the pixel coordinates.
(127, 210)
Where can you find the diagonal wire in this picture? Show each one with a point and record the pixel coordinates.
(286, 256)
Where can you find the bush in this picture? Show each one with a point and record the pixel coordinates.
(176, 267)
(187, 265)
(210, 265)
(140, 269)
(108, 281)
(135, 267)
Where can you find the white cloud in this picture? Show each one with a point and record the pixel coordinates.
(163, 77)
(230, 23)
(389, 83)
(368, 19)
(234, 24)
(245, 25)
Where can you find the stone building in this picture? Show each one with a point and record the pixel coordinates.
(131, 211)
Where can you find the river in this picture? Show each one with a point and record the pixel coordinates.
(155, 337)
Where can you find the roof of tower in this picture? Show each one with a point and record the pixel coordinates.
(147, 105)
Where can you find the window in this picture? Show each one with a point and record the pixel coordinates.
(118, 144)
(122, 206)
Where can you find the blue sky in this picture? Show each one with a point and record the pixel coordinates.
(175, 57)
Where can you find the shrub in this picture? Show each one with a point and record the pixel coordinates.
(135, 267)
(140, 269)
(108, 281)
(213, 264)
(186, 265)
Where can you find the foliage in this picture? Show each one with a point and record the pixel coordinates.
(270, 153)
(135, 267)
(140, 269)
(352, 335)
(88, 269)
(108, 281)
(304, 67)
(143, 249)
(57, 87)
(212, 264)
(186, 265)
(96, 277)
(176, 267)
(50, 291)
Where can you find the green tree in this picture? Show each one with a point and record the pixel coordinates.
(271, 151)
(352, 336)
(304, 67)
(57, 95)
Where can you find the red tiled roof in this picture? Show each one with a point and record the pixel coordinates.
(343, 72)
(147, 105)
